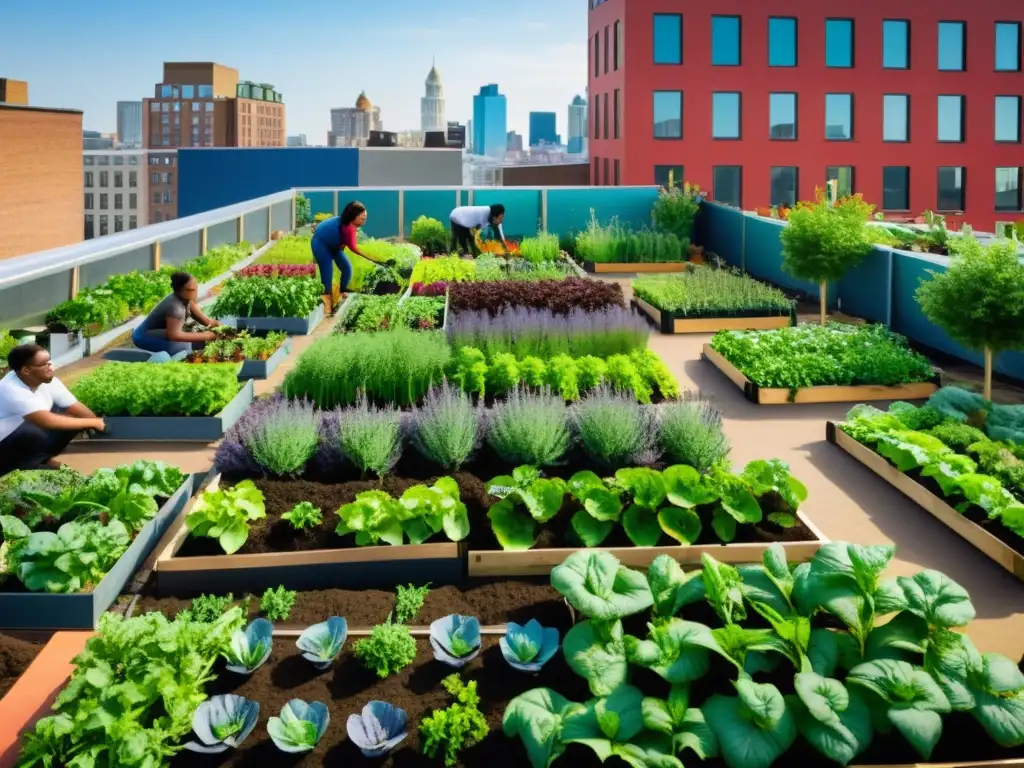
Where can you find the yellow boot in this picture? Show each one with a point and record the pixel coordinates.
(328, 309)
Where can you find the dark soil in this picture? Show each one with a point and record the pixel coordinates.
(721, 313)
(491, 601)
(273, 534)
(15, 657)
(347, 687)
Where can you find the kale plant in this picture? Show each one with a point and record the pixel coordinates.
(389, 649)
(276, 604)
(409, 601)
(457, 727)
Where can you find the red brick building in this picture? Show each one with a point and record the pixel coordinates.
(918, 107)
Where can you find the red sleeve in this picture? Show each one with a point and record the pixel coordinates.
(348, 238)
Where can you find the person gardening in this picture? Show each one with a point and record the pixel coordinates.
(330, 239)
(39, 417)
(466, 220)
(163, 328)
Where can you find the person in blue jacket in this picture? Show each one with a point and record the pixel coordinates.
(330, 239)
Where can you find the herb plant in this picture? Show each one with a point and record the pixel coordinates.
(611, 243)
(276, 604)
(529, 428)
(539, 249)
(225, 514)
(459, 726)
(388, 650)
(614, 430)
(446, 429)
(370, 437)
(397, 366)
(430, 235)
(450, 269)
(690, 432)
(206, 609)
(711, 292)
(170, 389)
(979, 298)
(409, 602)
(303, 515)
(267, 297)
(812, 356)
(284, 439)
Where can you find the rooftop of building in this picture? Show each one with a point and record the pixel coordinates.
(28, 108)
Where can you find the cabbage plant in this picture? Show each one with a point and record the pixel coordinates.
(528, 647)
(222, 723)
(321, 643)
(378, 729)
(250, 647)
(455, 639)
(300, 726)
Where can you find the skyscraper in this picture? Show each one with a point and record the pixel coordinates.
(577, 126)
(129, 124)
(490, 122)
(542, 129)
(432, 104)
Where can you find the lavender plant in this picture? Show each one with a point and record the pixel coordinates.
(370, 437)
(328, 460)
(233, 457)
(527, 331)
(529, 428)
(614, 429)
(690, 432)
(285, 438)
(446, 430)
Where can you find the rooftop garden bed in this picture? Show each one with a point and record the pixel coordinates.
(831, 363)
(707, 299)
(381, 313)
(959, 456)
(557, 296)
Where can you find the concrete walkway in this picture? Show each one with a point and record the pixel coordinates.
(846, 501)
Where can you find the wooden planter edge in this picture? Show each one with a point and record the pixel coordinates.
(638, 267)
(671, 324)
(822, 394)
(537, 562)
(990, 546)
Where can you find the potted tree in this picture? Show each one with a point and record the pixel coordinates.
(979, 299)
(823, 239)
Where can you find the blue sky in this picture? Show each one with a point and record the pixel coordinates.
(89, 55)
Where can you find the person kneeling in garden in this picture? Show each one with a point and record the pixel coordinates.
(163, 328)
(467, 218)
(38, 415)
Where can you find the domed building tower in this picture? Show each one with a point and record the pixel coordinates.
(363, 103)
(432, 116)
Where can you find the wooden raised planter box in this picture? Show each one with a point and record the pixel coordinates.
(824, 394)
(644, 267)
(355, 567)
(201, 429)
(296, 326)
(670, 324)
(539, 562)
(991, 546)
(42, 610)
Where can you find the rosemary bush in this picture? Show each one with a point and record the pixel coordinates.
(529, 428)
(690, 432)
(614, 430)
(396, 366)
(446, 429)
(286, 437)
(370, 437)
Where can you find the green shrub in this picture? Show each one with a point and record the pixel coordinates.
(690, 432)
(168, 389)
(957, 436)
(614, 243)
(448, 269)
(396, 366)
(543, 247)
(430, 235)
(675, 211)
(268, 297)
(529, 429)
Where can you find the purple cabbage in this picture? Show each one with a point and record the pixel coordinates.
(527, 331)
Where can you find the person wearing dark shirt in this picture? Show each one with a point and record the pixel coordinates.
(162, 330)
(330, 239)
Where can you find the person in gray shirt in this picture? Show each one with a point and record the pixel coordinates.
(163, 328)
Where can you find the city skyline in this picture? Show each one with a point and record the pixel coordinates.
(539, 63)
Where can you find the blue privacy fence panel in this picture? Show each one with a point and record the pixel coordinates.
(522, 208)
(381, 210)
(432, 203)
(569, 209)
(866, 291)
(320, 202)
(214, 177)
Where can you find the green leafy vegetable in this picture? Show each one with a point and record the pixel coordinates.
(225, 514)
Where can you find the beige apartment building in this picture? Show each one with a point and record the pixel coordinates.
(40, 174)
(116, 191)
(203, 104)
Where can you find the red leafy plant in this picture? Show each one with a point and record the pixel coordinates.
(436, 288)
(558, 296)
(278, 270)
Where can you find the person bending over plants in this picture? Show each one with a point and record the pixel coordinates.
(38, 415)
(163, 329)
(330, 239)
(467, 218)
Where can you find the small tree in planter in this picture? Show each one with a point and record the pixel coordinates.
(822, 241)
(979, 299)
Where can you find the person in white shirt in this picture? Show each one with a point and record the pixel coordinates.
(38, 415)
(467, 218)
